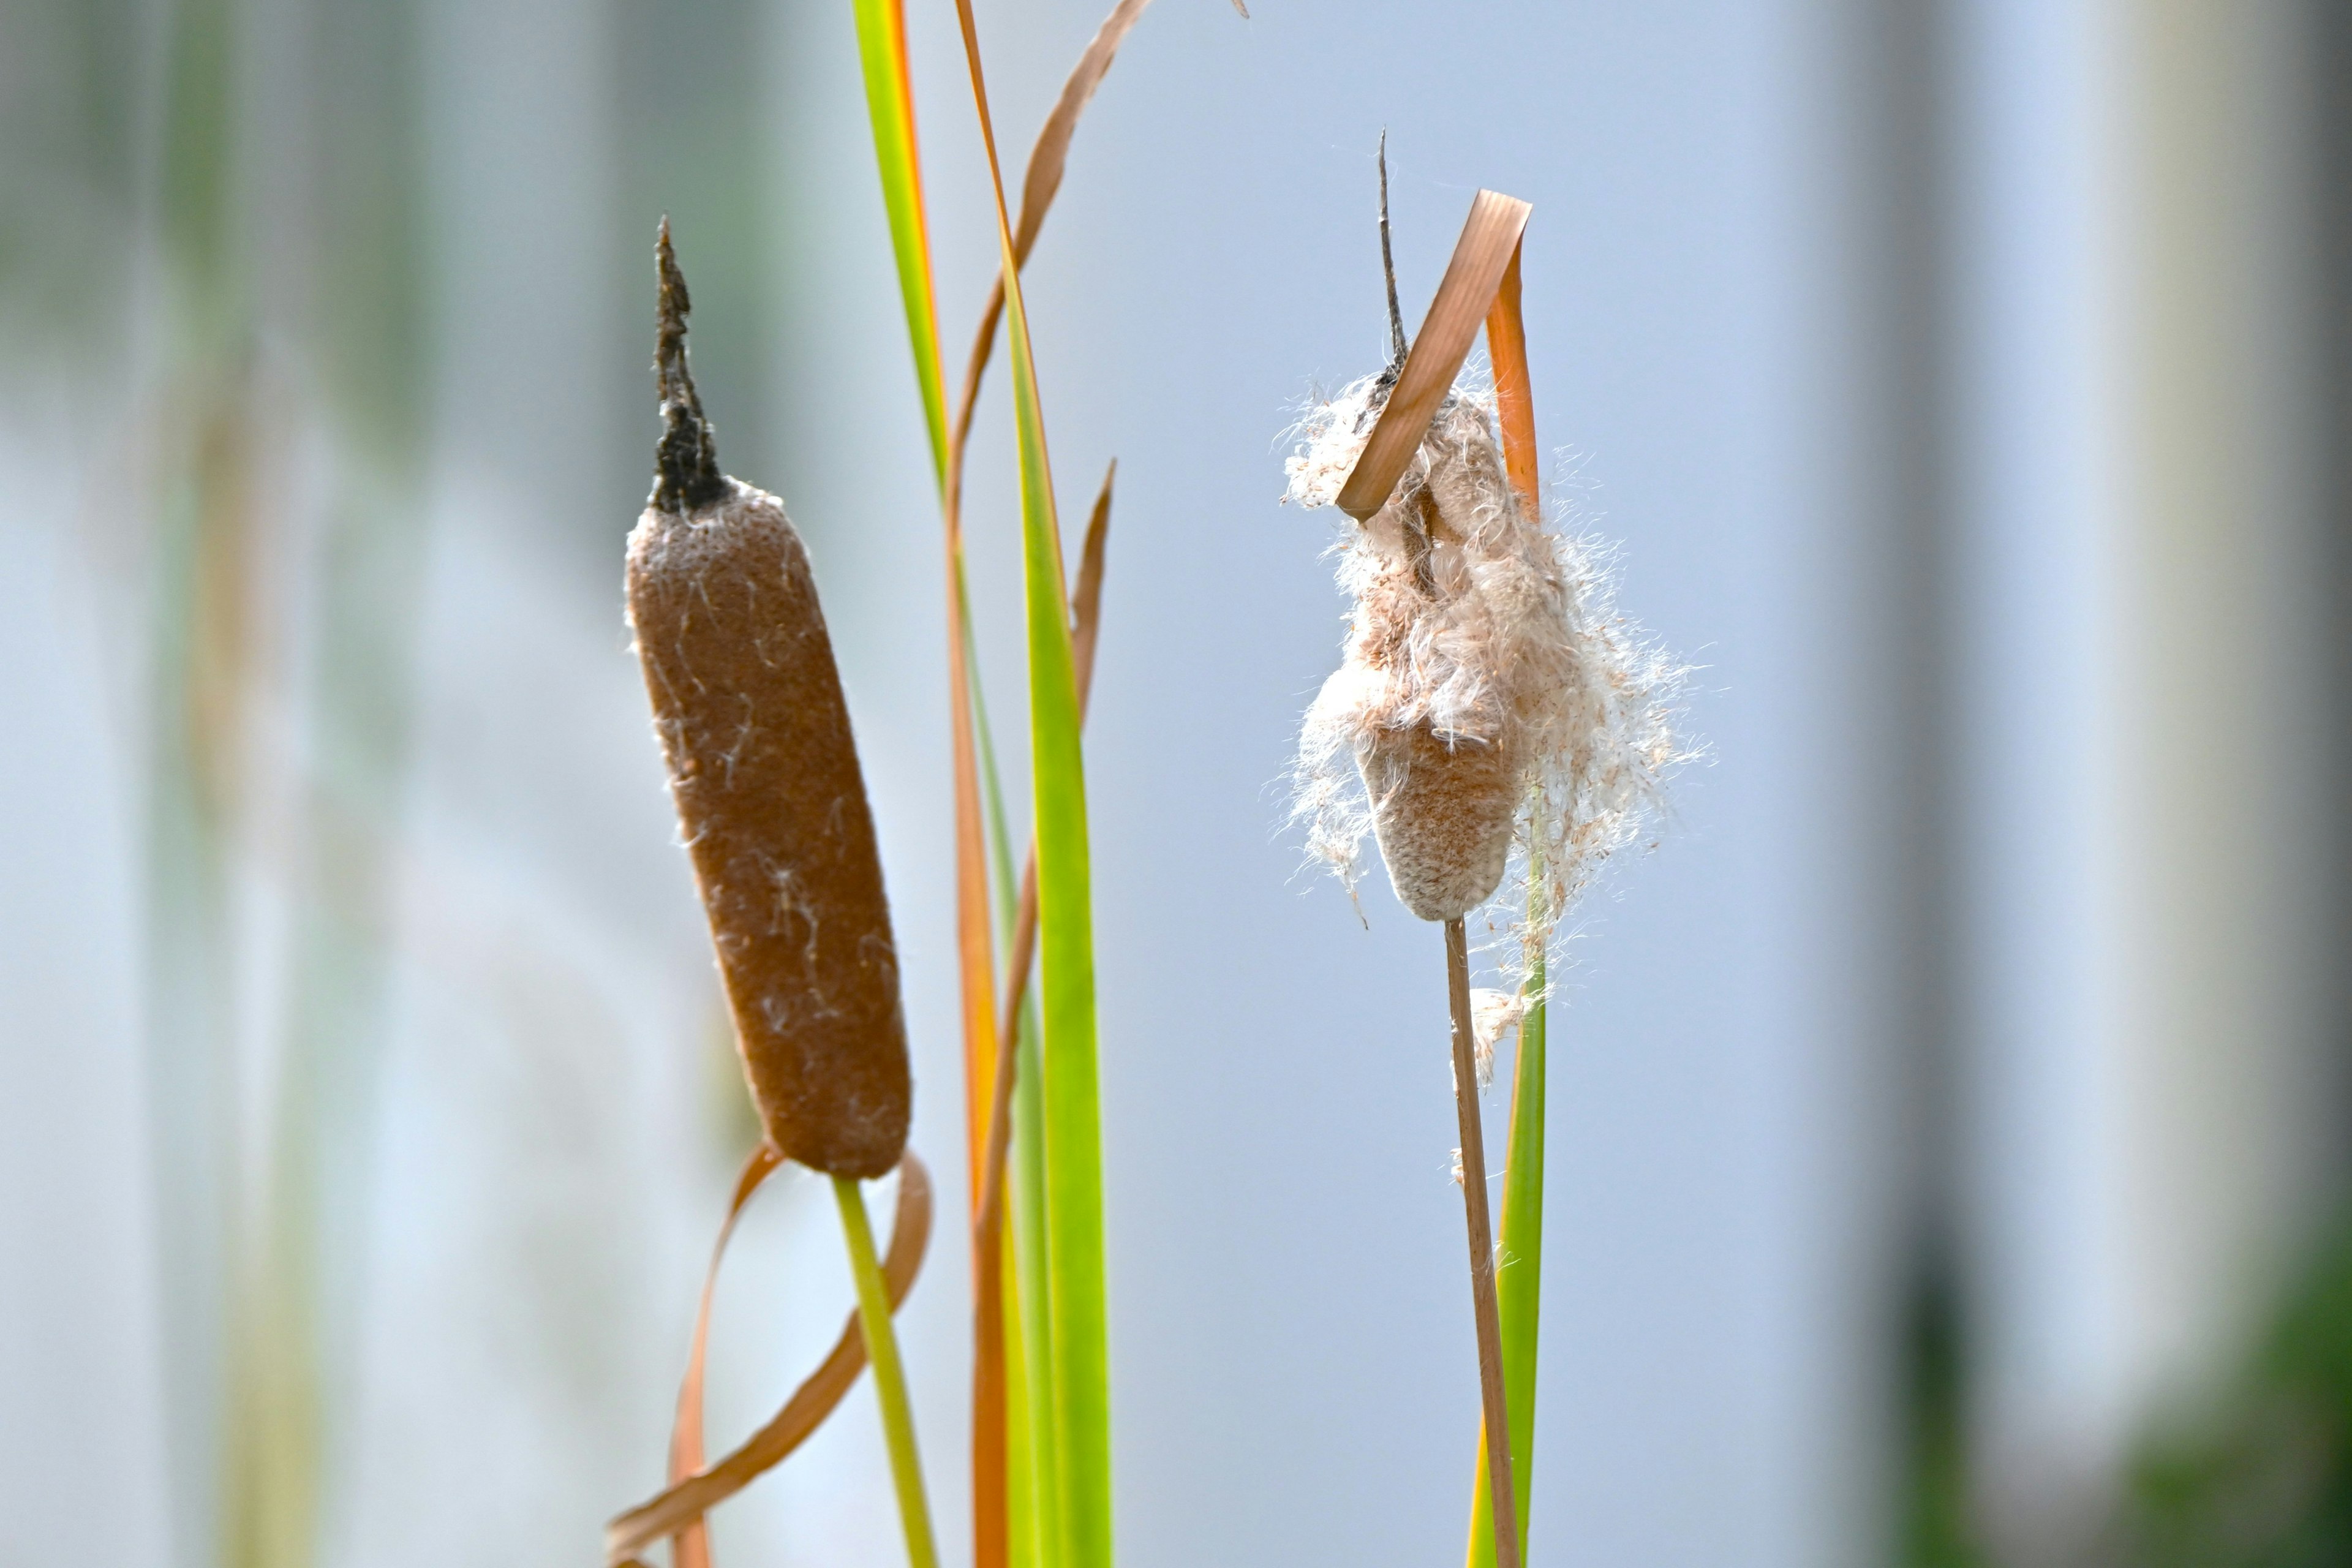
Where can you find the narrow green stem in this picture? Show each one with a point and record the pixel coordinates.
(890, 1377)
(1519, 1280)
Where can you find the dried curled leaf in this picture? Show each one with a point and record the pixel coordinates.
(673, 1510)
(1490, 238)
(1039, 184)
(690, 1547)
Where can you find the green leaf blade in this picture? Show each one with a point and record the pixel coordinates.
(882, 55)
(1077, 1300)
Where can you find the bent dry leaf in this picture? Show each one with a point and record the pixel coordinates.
(1490, 238)
(671, 1510)
(690, 1547)
(1047, 160)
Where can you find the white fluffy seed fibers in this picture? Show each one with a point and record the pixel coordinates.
(1486, 681)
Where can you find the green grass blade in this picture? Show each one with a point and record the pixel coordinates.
(1077, 1302)
(882, 53)
(1031, 1473)
(890, 1375)
(1077, 1299)
(1519, 1285)
(1023, 1519)
(1028, 1177)
(890, 104)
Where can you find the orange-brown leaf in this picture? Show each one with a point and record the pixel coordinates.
(1039, 184)
(690, 1547)
(1490, 238)
(674, 1508)
(1515, 402)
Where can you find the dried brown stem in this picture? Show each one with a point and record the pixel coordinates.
(1397, 345)
(1482, 1247)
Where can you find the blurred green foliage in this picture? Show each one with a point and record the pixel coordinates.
(69, 84)
(2265, 1479)
(1937, 1528)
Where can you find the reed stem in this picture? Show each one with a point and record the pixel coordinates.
(889, 1376)
(1482, 1247)
(1518, 1284)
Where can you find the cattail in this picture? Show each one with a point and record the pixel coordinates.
(763, 770)
(1484, 670)
(1483, 683)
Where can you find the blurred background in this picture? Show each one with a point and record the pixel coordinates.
(1948, 1119)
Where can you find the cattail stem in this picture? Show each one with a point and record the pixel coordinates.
(1481, 1247)
(890, 1375)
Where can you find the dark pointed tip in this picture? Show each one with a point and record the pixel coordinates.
(674, 301)
(685, 462)
(1397, 345)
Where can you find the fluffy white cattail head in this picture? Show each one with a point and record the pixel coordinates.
(1485, 679)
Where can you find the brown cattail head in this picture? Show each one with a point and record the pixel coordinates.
(764, 771)
(1441, 813)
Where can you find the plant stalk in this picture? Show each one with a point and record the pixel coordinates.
(889, 1376)
(1482, 1247)
(1519, 1285)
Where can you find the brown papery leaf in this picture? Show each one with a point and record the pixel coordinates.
(690, 1547)
(673, 1510)
(1515, 402)
(1490, 238)
(1039, 184)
